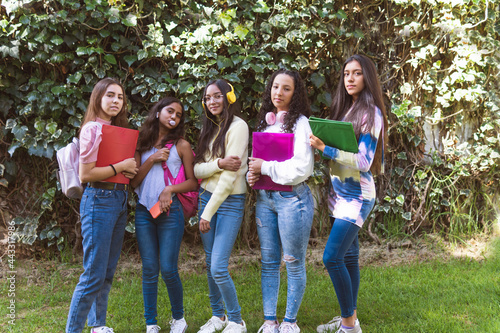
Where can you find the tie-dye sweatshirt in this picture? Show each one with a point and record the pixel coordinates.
(352, 195)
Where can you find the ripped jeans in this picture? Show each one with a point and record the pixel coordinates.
(284, 221)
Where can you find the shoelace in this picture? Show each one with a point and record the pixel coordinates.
(104, 330)
(335, 320)
(175, 325)
(267, 328)
(286, 328)
(208, 325)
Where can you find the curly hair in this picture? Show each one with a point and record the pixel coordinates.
(299, 105)
(361, 113)
(215, 126)
(150, 130)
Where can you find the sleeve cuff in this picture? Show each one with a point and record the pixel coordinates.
(264, 168)
(330, 152)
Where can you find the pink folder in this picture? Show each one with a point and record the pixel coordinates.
(118, 143)
(272, 147)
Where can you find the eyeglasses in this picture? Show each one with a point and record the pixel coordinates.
(216, 98)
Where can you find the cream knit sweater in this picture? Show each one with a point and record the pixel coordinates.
(219, 182)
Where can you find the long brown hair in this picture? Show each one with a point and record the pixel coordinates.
(362, 112)
(150, 130)
(94, 108)
(298, 105)
(215, 126)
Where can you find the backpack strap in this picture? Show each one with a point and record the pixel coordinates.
(168, 174)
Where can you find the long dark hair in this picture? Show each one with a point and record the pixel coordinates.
(215, 126)
(362, 113)
(94, 108)
(298, 105)
(150, 130)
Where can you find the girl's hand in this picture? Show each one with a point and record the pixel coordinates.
(252, 178)
(255, 165)
(127, 166)
(129, 175)
(165, 199)
(204, 226)
(161, 155)
(230, 163)
(316, 142)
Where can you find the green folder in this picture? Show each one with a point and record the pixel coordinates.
(337, 134)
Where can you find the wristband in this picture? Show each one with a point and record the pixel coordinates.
(111, 165)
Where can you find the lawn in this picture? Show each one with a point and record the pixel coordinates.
(439, 295)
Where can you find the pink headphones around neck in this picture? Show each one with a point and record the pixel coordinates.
(271, 118)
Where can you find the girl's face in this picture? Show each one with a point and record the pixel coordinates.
(282, 91)
(214, 100)
(170, 116)
(354, 81)
(111, 102)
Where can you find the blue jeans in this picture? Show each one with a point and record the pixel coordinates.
(284, 221)
(218, 243)
(103, 214)
(159, 244)
(341, 259)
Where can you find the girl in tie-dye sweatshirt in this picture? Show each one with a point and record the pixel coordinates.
(358, 100)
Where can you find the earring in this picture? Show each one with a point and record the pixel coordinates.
(271, 118)
(157, 114)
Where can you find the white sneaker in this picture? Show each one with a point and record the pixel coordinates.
(269, 328)
(213, 324)
(102, 329)
(287, 327)
(152, 329)
(233, 327)
(178, 325)
(355, 329)
(333, 325)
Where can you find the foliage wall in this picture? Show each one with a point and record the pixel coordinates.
(438, 62)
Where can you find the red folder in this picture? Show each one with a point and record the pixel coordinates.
(118, 143)
(272, 147)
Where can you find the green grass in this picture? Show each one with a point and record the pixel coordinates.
(456, 295)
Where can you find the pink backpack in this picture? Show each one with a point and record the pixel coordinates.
(189, 200)
(68, 160)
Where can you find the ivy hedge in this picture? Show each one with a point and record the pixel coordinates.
(439, 63)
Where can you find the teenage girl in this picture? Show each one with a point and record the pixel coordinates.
(160, 238)
(221, 163)
(103, 210)
(284, 219)
(358, 100)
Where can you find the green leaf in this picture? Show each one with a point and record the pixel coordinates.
(52, 127)
(130, 59)
(40, 125)
(225, 19)
(130, 20)
(56, 90)
(75, 78)
(341, 14)
(402, 155)
(110, 58)
(407, 216)
(57, 40)
(400, 199)
(318, 80)
(241, 32)
(142, 54)
(261, 7)
(13, 148)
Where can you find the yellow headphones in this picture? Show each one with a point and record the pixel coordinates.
(231, 97)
